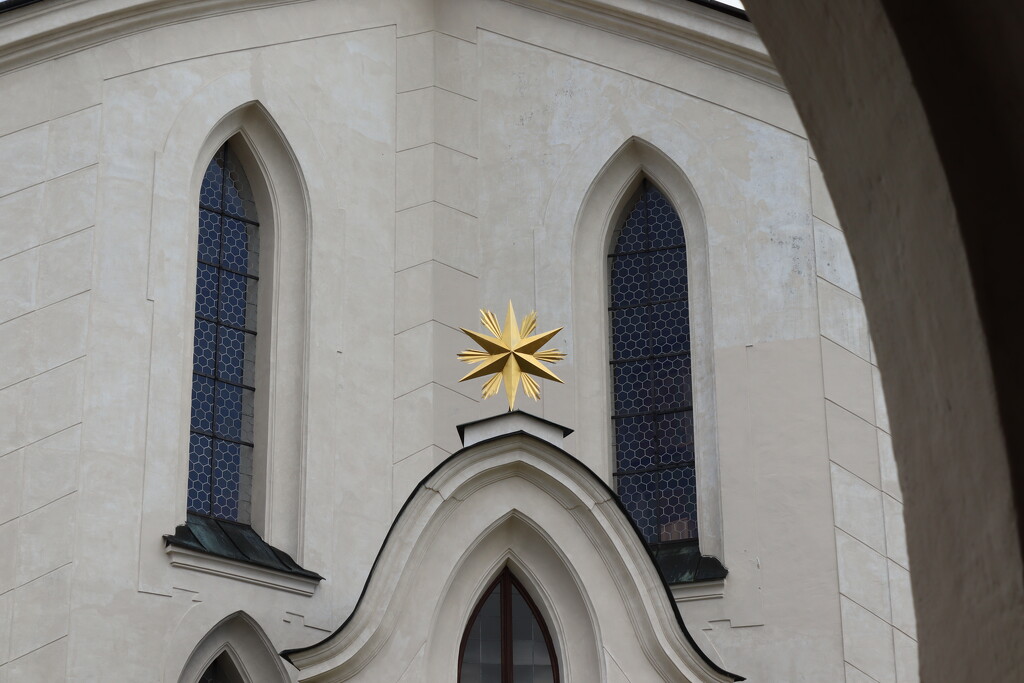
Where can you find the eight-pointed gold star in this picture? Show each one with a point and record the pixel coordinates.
(512, 354)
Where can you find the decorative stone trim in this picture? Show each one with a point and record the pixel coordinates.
(50, 29)
(240, 571)
(684, 27)
(466, 503)
(703, 590)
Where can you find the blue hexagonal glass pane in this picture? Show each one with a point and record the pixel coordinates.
(228, 421)
(236, 356)
(663, 224)
(675, 438)
(635, 443)
(210, 192)
(650, 343)
(238, 197)
(235, 298)
(205, 348)
(678, 518)
(226, 479)
(224, 357)
(641, 495)
(667, 275)
(629, 333)
(209, 237)
(202, 404)
(670, 383)
(632, 391)
(200, 459)
(206, 291)
(633, 234)
(240, 246)
(629, 280)
(669, 328)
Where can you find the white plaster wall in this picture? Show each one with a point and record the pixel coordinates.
(48, 177)
(447, 151)
(879, 625)
(549, 122)
(78, 179)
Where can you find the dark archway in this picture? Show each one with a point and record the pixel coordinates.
(234, 651)
(914, 115)
(221, 670)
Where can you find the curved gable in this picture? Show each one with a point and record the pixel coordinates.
(513, 500)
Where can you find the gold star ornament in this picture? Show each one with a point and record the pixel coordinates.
(511, 354)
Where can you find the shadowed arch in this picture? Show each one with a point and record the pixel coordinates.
(240, 650)
(921, 190)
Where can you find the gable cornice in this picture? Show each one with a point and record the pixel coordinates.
(46, 30)
(677, 25)
(466, 479)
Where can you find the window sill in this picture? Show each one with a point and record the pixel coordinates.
(237, 552)
(680, 562)
(239, 571)
(698, 590)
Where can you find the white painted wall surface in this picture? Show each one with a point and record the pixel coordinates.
(445, 157)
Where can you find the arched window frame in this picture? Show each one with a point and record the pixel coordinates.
(651, 425)
(258, 148)
(227, 206)
(507, 580)
(238, 645)
(281, 365)
(595, 227)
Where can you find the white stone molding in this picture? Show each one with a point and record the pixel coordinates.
(515, 501)
(50, 29)
(240, 571)
(227, 108)
(511, 422)
(684, 27)
(703, 590)
(249, 652)
(595, 227)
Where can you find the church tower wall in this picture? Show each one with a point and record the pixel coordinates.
(419, 161)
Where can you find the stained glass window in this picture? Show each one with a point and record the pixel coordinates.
(223, 369)
(507, 641)
(651, 371)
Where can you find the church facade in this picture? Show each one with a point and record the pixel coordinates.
(239, 241)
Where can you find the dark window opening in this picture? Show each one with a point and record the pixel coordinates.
(222, 670)
(507, 640)
(655, 474)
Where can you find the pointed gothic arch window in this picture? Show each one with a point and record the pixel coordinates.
(507, 640)
(242, 455)
(221, 670)
(224, 361)
(651, 371)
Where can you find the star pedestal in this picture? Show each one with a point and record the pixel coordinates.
(512, 422)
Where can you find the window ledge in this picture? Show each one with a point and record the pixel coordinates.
(680, 562)
(699, 590)
(240, 571)
(236, 551)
